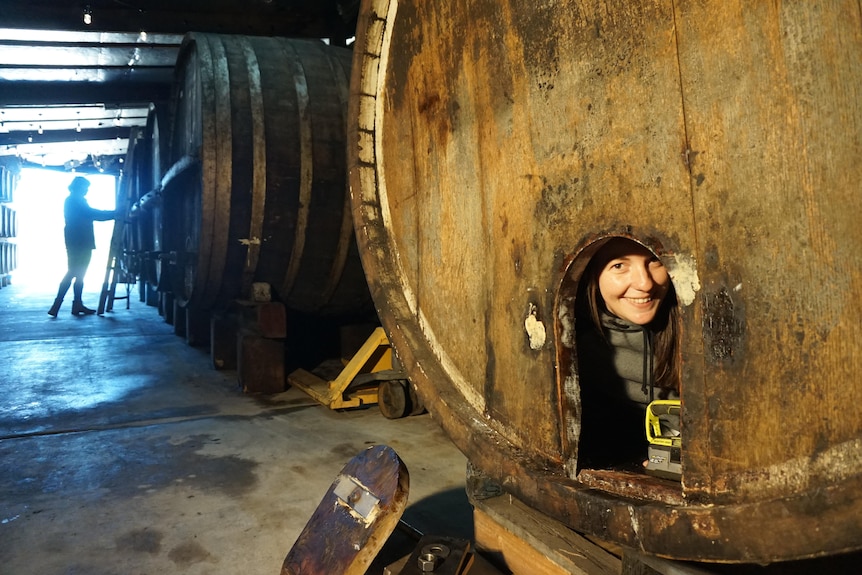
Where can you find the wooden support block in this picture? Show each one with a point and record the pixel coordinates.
(166, 307)
(261, 319)
(179, 317)
(526, 542)
(151, 295)
(260, 363)
(269, 319)
(197, 327)
(223, 343)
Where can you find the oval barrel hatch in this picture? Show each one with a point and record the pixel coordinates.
(487, 160)
(256, 190)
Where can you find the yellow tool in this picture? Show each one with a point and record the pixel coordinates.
(665, 442)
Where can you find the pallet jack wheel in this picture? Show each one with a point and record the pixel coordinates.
(393, 398)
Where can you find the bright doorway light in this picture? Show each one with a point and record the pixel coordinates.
(38, 201)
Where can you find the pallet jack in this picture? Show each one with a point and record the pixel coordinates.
(371, 376)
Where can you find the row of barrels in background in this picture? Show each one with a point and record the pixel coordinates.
(484, 163)
(248, 166)
(8, 247)
(240, 180)
(8, 224)
(8, 260)
(8, 181)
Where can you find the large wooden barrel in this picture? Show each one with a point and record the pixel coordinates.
(487, 159)
(260, 125)
(8, 222)
(135, 182)
(148, 154)
(10, 173)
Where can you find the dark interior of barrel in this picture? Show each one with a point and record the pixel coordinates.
(620, 474)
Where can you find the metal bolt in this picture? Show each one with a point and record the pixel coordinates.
(427, 562)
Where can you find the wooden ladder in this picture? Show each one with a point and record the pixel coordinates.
(115, 271)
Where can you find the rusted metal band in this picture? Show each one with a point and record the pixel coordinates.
(306, 167)
(223, 184)
(258, 188)
(200, 57)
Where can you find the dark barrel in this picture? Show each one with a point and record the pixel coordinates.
(258, 129)
(147, 156)
(10, 169)
(485, 162)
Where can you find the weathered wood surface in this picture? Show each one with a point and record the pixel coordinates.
(344, 536)
(493, 141)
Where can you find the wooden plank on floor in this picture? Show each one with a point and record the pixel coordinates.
(531, 543)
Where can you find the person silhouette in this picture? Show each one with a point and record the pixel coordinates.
(80, 243)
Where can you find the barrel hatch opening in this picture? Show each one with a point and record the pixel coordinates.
(614, 361)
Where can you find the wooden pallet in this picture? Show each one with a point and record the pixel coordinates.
(526, 542)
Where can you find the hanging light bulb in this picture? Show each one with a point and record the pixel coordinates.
(135, 57)
(88, 15)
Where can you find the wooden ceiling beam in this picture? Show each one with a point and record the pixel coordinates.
(294, 18)
(65, 93)
(54, 136)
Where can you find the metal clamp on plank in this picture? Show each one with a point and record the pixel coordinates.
(360, 502)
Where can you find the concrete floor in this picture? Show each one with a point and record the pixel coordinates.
(125, 452)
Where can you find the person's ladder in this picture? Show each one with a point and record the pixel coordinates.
(116, 271)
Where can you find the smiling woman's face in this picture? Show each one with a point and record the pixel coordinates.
(632, 282)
